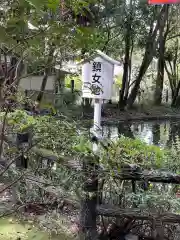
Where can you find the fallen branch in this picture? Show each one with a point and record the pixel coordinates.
(125, 174)
(150, 176)
(138, 214)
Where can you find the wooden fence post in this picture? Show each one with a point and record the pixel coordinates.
(89, 200)
(21, 161)
(159, 229)
(22, 138)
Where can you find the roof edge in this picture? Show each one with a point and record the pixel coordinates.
(101, 54)
(107, 58)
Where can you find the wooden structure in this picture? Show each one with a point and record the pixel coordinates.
(90, 201)
(91, 208)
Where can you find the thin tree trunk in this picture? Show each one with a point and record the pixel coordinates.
(1, 95)
(148, 56)
(130, 72)
(171, 80)
(43, 87)
(161, 60)
(160, 75)
(46, 73)
(144, 66)
(172, 72)
(126, 59)
(176, 93)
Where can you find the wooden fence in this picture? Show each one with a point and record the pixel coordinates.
(89, 206)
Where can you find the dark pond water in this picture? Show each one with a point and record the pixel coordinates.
(162, 133)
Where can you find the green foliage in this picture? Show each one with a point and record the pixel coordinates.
(69, 97)
(62, 138)
(12, 228)
(77, 82)
(83, 147)
(49, 107)
(57, 135)
(154, 201)
(118, 80)
(134, 151)
(130, 151)
(19, 120)
(66, 138)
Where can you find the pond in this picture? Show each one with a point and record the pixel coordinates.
(161, 133)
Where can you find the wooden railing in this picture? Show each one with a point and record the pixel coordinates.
(88, 204)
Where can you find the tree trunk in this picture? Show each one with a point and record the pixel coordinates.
(176, 93)
(172, 79)
(130, 72)
(173, 76)
(160, 75)
(148, 56)
(89, 201)
(161, 60)
(144, 66)
(60, 84)
(167, 96)
(46, 73)
(1, 95)
(43, 87)
(11, 78)
(126, 59)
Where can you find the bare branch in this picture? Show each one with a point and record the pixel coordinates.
(2, 131)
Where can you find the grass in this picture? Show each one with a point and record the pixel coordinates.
(12, 229)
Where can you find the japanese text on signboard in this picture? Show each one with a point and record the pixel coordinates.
(96, 85)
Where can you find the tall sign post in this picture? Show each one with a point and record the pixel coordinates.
(97, 77)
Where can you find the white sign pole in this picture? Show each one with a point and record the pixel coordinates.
(97, 114)
(97, 122)
(97, 76)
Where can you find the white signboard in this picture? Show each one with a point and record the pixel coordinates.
(97, 77)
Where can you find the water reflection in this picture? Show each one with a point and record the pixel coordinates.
(162, 133)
